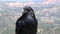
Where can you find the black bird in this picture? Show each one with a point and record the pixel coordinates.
(27, 23)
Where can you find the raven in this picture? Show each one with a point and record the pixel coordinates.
(27, 23)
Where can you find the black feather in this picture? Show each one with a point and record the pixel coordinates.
(27, 23)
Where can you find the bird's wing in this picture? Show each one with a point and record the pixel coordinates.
(18, 26)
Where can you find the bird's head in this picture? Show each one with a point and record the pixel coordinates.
(28, 10)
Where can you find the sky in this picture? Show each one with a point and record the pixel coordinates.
(20, 2)
(23, 0)
(46, 1)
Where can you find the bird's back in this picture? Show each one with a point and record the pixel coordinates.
(29, 25)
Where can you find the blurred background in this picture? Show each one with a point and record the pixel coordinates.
(47, 13)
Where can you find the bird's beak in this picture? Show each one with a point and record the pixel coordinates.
(25, 11)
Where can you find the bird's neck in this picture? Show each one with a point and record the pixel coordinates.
(26, 15)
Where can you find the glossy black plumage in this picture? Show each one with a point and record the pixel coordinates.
(27, 23)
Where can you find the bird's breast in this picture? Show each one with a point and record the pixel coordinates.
(30, 20)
